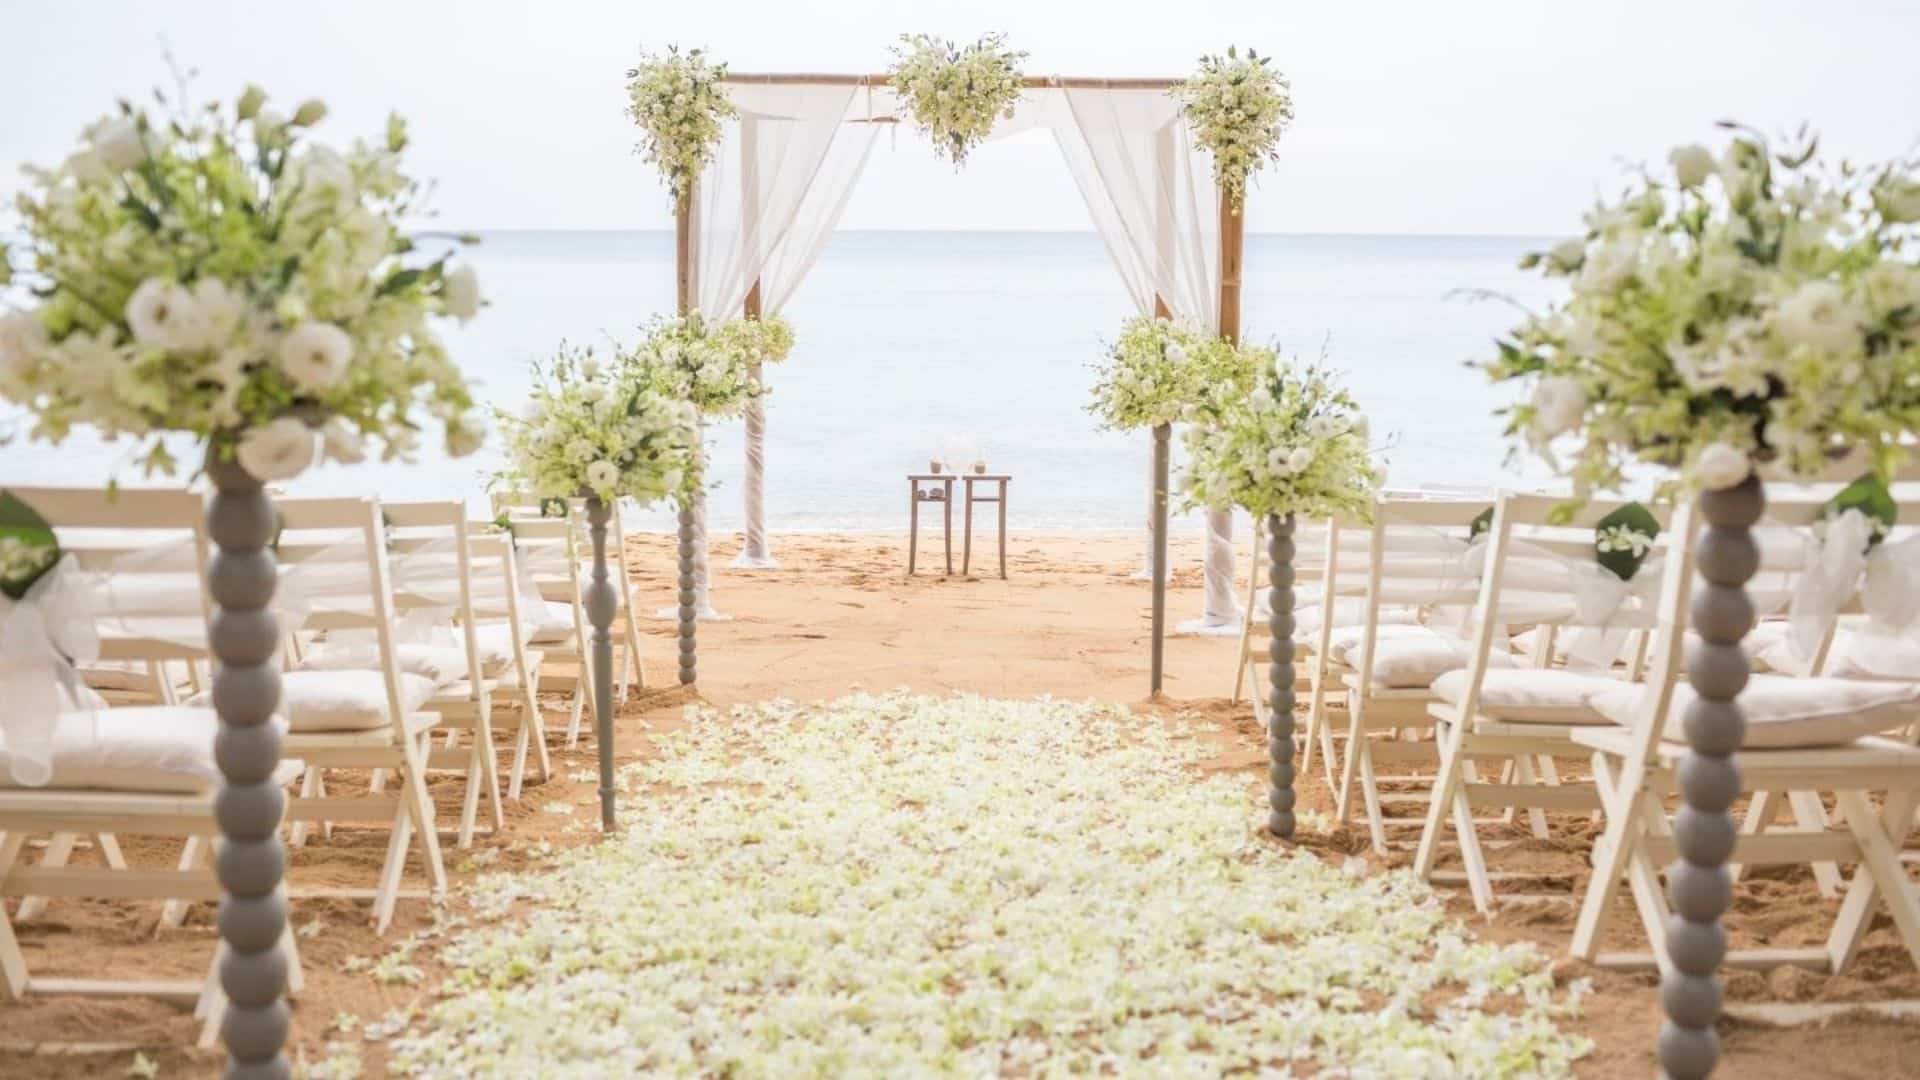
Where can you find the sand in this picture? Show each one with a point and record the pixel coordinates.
(839, 615)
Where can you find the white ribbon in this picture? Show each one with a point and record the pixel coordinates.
(1839, 564)
(42, 636)
(1599, 595)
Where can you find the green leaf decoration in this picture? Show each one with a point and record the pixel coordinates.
(1480, 525)
(28, 547)
(552, 508)
(1623, 539)
(1870, 496)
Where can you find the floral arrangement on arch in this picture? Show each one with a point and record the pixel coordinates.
(957, 93)
(1162, 370)
(1296, 445)
(594, 428)
(1749, 306)
(688, 359)
(678, 100)
(216, 272)
(1239, 106)
(756, 340)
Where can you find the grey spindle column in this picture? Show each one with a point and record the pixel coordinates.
(1161, 453)
(689, 617)
(601, 602)
(1280, 748)
(243, 636)
(1698, 884)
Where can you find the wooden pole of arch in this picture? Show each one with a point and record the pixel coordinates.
(1162, 453)
(683, 297)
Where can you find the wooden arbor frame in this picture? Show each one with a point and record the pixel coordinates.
(1232, 251)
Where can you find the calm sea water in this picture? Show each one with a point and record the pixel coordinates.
(909, 341)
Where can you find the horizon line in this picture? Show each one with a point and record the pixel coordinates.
(1006, 229)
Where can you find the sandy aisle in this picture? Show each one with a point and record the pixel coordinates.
(840, 615)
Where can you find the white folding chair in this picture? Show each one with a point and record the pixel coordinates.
(138, 770)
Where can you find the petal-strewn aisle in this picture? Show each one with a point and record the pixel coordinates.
(894, 885)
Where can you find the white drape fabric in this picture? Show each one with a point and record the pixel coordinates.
(763, 210)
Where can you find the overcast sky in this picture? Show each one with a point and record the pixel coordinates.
(1428, 116)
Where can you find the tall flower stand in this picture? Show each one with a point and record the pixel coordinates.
(1698, 885)
(601, 601)
(244, 635)
(686, 610)
(1280, 772)
(1162, 454)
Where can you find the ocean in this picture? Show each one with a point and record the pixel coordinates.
(908, 342)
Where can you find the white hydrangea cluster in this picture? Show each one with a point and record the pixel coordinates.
(957, 93)
(911, 886)
(1162, 370)
(679, 101)
(588, 428)
(1749, 305)
(1296, 445)
(218, 273)
(1239, 106)
(688, 359)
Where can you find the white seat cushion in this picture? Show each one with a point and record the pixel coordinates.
(1787, 713)
(495, 641)
(1350, 611)
(1407, 657)
(146, 748)
(1856, 654)
(1530, 695)
(117, 675)
(549, 622)
(341, 700)
(441, 663)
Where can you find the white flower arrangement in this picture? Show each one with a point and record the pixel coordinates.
(797, 901)
(1239, 106)
(1752, 306)
(218, 273)
(756, 340)
(688, 359)
(1296, 445)
(678, 100)
(599, 429)
(957, 94)
(1161, 370)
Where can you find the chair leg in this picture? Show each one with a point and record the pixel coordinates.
(13, 965)
(110, 852)
(309, 789)
(59, 850)
(386, 896)
(1622, 807)
(1762, 808)
(1523, 774)
(1349, 765)
(211, 1008)
(517, 772)
(296, 969)
(1880, 838)
(577, 709)
(1809, 813)
(1479, 884)
(193, 856)
(1370, 799)
(538, 720)
(1451, 738)
(420, 805)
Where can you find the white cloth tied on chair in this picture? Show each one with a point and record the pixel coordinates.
(1543, 586)
(1839, 564)
(43, 635)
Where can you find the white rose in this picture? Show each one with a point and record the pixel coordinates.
(460, 292)
(86, 167)
(1721, 466)
(117, 140)
(1301, 459)
(466, 435)
(1610, 265)
(341, 442)
(1692, 164)
(279, 450)
(268, 125)
(1567, 255)
(1277, 462)
(22, 336)
(157, 311)
(1323, 427)
(1899, 201)
(580, 451)
(593, 392)
(1819, 314)
(1176, 354)
(602, 476)
(315, 354)
(1558, 405)
(211, 320)
(534, 411)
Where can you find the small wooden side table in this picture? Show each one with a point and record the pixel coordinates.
(999, 498)
(929, 487)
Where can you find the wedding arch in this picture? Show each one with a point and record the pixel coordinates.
(753, 221)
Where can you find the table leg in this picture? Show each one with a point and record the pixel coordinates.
(1003, 530)
(946, 505)
(913, 523)
(966, 534)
